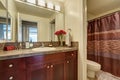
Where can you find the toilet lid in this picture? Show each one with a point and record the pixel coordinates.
(92, 63)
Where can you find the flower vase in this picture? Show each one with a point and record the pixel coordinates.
(60, 39)
(61, 42)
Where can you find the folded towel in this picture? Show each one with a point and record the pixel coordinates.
(8, 48)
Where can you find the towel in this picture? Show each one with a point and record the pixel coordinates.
(101, 75)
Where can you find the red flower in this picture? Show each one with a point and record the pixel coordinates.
(60, 32)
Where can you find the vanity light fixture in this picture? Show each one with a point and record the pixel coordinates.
(57, 8)
(45, 4)
(31, 1)
(50, 5)
(41, 3)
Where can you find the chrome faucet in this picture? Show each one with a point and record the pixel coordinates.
(51, 44)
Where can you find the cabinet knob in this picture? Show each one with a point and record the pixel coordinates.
(10, 65)
(72, 54)
(51, 66)
(68, 61)
(48, 67)
(11, 78)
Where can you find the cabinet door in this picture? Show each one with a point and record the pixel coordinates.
(58, 70)
(71, 67)
(71, 73)
(38, 72)
(12, 69)
(46, 67)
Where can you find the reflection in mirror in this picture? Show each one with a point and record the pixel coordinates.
(4, 30)
(48, 21)
(52, 29)
(29, 31)
(45, 27)
(5, 24)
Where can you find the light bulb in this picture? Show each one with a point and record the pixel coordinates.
(32, 1)
(50, 5)
(41, 2)
(57, 7)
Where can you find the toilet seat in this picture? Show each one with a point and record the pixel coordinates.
(92, 68)
(93, 65)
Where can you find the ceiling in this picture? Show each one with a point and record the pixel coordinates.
(97, 7)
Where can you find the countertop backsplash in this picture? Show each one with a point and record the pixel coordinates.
(35, 44)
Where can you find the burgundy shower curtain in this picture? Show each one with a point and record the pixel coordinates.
(104, 42)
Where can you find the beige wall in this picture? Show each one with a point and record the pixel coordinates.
(43, 25)
(59, 21)
(76, 19)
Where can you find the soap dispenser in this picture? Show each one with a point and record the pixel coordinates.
(31, 43)
(27, 45)
(68, 38)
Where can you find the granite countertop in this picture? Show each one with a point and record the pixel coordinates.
(30, 52)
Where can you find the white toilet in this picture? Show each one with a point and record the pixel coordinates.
(92, 68)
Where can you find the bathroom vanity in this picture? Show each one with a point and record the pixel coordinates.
(58, 64)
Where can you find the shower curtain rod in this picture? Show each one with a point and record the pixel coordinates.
(104, 15)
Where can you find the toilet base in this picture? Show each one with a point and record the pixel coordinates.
(91, 79)
(91, 74)
(88, 79)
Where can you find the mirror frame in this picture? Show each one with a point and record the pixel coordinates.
(8, 16)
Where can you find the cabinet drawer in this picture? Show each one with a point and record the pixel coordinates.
(12, 64)
(8, 75)
(55, 57)
(45, 58)
(71, 54)
(13, 75)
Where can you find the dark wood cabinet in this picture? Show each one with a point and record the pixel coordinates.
(12, 69)
(37, 72)
(71, 66)
(57, 66)
(46, 67)
(57, 70)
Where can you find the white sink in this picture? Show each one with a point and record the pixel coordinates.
(44, 49)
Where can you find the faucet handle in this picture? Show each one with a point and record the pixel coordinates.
(51, 44)
(42, 44)
(20, 45)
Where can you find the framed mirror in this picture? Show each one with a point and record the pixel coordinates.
(5, 23)
(44, 27)
(43, 22)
